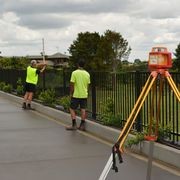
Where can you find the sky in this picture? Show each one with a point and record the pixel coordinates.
(143, 23)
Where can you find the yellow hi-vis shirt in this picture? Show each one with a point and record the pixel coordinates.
(81, 79)
(32, 76)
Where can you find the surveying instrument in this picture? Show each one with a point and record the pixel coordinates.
(159, 62)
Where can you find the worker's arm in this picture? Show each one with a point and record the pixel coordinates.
(41, 66)
(44, 67)
(71, 89)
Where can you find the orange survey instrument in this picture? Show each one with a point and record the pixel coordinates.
(159, 58)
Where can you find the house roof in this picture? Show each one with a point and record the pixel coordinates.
(34, 57)
(54, 56)
(58, 55)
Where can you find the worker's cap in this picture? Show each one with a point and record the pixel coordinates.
(33, 62)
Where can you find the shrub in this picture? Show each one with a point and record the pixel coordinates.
(2, 84)
(108, 117)
(65, 102)
(7, 88)
(163, 131)
(139, 137)
(47, 96)
(20, 87)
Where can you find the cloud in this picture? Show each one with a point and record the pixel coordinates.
(61, 6)
(144, 24)
(44, 21)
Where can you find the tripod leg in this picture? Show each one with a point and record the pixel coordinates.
(137, 102)
(159, 107)
(173, 86)
(136, 109)
(152, 111)
(135, 113)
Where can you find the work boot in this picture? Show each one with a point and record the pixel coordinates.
(73, 127)
(29, 107)
(82, 126)
(24, 105)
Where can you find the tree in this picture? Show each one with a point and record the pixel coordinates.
(116, 47)
(103, 52)
(176, 62)
(137, 61)
(13, 62)
(85, 47)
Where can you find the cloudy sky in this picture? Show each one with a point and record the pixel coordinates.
(143, 23)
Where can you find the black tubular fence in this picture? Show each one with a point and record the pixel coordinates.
(123, 89)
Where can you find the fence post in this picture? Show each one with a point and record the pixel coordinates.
(137, 93)
(64, 82)
(93, 92)
(44, 80)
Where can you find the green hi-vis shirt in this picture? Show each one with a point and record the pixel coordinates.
(81, 79)
(32, 76)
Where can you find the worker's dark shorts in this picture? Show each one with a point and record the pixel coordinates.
(76, 102)
(29, 87)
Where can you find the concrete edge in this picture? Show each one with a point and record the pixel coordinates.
(161, 152)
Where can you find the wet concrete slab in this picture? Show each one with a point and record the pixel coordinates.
(32, 147)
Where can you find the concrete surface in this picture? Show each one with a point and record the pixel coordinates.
(161, 152)
(36, 147)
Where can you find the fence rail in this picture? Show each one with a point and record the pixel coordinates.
(122, 88)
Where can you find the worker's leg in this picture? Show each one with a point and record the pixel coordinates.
(73, 107)
(83, 105)
(30, 97)
(25, 100)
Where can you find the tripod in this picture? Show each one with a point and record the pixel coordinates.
(117, 149)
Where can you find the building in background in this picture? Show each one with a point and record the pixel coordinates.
(56, 60)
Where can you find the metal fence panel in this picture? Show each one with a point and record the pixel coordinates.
(122, 88)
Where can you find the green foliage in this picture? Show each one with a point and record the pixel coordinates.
(7, 88)
(100, 52)
(47, 96)
(19, 81)
(13, 62)
(107, 117)
(65, 102)
(2, 84)
(20, 87)
(84, 47)
(163, 133)
(137, 61)
(108, 107)
(163, 130)
(136, 66)
(117, 48)
(176, 62)
(139, 137)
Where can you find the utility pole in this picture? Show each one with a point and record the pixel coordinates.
(43, 52)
